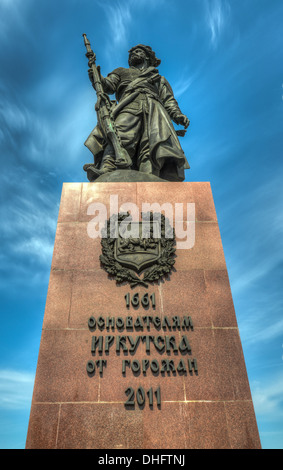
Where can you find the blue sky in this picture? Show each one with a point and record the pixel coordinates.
(223, 59)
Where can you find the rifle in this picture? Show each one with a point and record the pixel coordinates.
(103, 109)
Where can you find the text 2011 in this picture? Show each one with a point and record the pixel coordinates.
(142, 397)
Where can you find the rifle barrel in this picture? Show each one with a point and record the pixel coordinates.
(107, 125)
(88, 47)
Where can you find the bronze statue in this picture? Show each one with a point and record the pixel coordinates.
(136, 131)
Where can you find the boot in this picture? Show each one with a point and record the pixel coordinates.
(93, 173)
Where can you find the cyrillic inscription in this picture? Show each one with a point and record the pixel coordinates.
(147, 334)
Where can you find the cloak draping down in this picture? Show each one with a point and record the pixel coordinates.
(165, 152)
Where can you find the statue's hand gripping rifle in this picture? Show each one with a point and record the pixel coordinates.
(103, 109)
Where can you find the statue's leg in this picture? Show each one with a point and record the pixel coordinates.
(108, 159)
(129, 127)
(144, 162)
(107, 163)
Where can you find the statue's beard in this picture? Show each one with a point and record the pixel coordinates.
(135, 59)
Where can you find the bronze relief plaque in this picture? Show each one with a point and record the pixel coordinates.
(132, 248)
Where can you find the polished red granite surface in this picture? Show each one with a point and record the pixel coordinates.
(71, 408)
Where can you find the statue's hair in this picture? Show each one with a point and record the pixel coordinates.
(151, 54)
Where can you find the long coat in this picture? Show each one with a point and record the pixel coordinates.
(148, 95)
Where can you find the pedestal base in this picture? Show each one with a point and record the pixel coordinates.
(186, 379)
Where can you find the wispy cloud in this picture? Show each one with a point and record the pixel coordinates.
(253, 244)
(12, 10)
(119, 17)
(182, 86)
(15, 389)
(122, 16)
(29, 218)
(186, 79)
(267, 397)
(122, 13)
(253, 333)
(29, 227)
(24, 133)
(217, 14)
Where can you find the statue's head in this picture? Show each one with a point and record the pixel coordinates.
(140, 53)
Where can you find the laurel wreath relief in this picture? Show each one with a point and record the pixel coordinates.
(161, 267)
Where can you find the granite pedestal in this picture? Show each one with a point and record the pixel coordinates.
(202, 397)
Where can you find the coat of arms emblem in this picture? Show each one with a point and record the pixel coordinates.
(147, 251)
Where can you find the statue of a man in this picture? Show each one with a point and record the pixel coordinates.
(143, 120)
